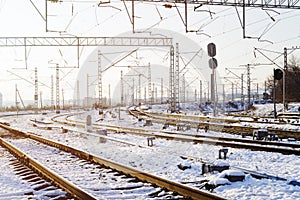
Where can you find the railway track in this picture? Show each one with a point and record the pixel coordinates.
(66, 136)
(23, 182)
(253, 173)
(218, 124)
(278, 147)
(83, 170)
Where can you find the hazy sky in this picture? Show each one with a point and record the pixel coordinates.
(86, 18)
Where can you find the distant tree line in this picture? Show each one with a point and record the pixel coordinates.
(292, 83)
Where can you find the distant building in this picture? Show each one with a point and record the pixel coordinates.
(0, 100)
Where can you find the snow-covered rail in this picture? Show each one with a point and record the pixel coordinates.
(90, 167)
(45, 172)
(24, 181)
(170, 135)
(217, 124)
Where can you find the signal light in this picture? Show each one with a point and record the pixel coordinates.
(211, 49)
(278, 74)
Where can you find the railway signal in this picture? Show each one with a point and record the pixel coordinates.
(211, 50)
(212, 62)
(278, 74)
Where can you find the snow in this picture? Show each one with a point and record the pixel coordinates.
(221, 163)
(164, 157)
(231, 173)
(12, 187)
(219, 181)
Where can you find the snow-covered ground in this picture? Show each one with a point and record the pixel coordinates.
(165, 156)
(13, 187)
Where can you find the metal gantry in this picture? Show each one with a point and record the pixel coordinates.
(81, 42)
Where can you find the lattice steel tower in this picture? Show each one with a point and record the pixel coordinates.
(57, 89)
(36, 92)
(100, 80)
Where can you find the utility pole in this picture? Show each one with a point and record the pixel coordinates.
(41, 100)
(224, 98)
(208, 94)
(200, 91)
(109, 96)
(285, 70)
(16, 97)
(248, 83)
(100, 82)
(122, 89)
(77, 92)
(36, 95)
(274, 95)
(183, 92)
(232, 92)
(161, 90)
(87, 90)
(265, 86)
(257, 95)
(176, 85)
(57, 90)
(139, 90)
(242, 90)
(18, 94)
(152, 93)
(52, 92)
(171, 82)
(132, 92)
(63, 98)
(156, 97)
(149, 84)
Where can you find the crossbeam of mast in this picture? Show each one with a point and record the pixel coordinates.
(83, 41)
(285, 4)
(264, 4)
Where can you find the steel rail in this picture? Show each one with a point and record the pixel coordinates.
(173, 136)
(216, 119)
(251, 172)
(143, 176)
(45, 172)
(229, 128)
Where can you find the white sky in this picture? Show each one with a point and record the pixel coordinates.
(19, 18)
